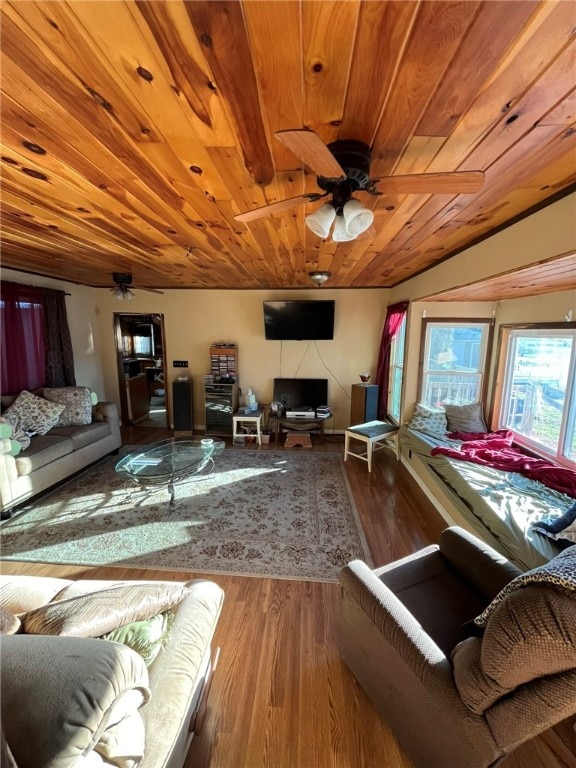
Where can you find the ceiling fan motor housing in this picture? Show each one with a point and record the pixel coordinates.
(354, 157)
(122, 278)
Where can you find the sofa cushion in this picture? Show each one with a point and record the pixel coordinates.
(33, 414)
(42, 450)
(62, 697)
(97, 613)
(82, 436)
(9, 622)
(23, 593)
(465, 418)
(77, 402)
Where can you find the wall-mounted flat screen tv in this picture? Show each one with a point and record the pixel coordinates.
(298, 320)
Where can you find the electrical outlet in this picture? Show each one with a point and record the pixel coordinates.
(179, 363)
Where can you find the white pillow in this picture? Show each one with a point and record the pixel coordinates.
(429, 420)
(33, 414)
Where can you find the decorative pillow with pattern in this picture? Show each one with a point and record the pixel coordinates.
(97, 613)
(465, 418)
(429, 420)
(33, 414)
(77, 402)
(560, 572)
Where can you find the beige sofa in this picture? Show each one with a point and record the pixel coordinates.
(69, 700)
(56, 455)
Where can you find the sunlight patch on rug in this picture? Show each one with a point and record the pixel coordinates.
(271, 513)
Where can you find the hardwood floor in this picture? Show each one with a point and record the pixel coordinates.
(281, 697)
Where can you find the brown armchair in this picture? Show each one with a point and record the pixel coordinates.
(464, 707)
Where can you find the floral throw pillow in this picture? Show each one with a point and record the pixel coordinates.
(430, 420)
(33, 414)
(77, 402)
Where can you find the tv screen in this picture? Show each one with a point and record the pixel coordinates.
(295, 393)
(298, 320)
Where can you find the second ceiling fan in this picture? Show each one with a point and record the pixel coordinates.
(343, 168)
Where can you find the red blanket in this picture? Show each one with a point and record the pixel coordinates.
(494, 449)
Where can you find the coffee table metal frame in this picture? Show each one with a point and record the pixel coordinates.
(169, 461)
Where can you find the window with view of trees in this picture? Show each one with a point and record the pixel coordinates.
(454, 355)
(537, 399)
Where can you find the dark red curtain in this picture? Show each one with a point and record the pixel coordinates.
(59, 367)
(23, 352)
(36, 347)
(394, 316)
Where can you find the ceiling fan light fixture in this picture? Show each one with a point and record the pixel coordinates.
(124, 293)
(321, 220)
(319, 277)
(357, 219)
(340, 234)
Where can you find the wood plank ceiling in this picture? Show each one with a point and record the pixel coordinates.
(133, 132)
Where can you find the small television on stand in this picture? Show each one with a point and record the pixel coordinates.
(300, 394)
(298, 320)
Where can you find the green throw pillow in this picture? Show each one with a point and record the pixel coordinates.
(145, 637)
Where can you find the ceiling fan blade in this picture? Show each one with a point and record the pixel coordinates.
(310, 148)
(458, 182)
(281, 205)
(152, 290)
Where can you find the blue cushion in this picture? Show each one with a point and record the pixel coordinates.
(559, 523)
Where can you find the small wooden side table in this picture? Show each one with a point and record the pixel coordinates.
(249, 418)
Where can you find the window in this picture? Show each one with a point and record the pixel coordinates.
(396, 372)
(453, 361)
(538, 402)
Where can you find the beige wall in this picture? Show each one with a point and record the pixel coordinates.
(194, 320)
(547, 233)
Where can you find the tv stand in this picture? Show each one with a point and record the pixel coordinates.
(298, 424)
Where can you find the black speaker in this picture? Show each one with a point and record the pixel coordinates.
(364, 405)
(183, 406)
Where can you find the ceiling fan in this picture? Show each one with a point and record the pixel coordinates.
(342, 169)
(123, 282)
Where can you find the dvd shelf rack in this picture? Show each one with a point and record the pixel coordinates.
(223, 361)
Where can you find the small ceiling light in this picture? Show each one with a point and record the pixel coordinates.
(124, 293)
(321, 220)
(340, 234)
(319, 277)
(356, 217)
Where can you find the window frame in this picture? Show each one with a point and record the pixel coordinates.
(499, 390)
(457, 321)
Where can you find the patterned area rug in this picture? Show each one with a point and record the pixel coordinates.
(259, 513)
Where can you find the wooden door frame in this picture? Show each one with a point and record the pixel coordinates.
(120, 362)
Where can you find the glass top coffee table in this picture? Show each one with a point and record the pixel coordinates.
(169, 461)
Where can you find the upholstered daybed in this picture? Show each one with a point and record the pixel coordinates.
(501, 507)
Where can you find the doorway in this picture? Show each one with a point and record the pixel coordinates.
(141, 361)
